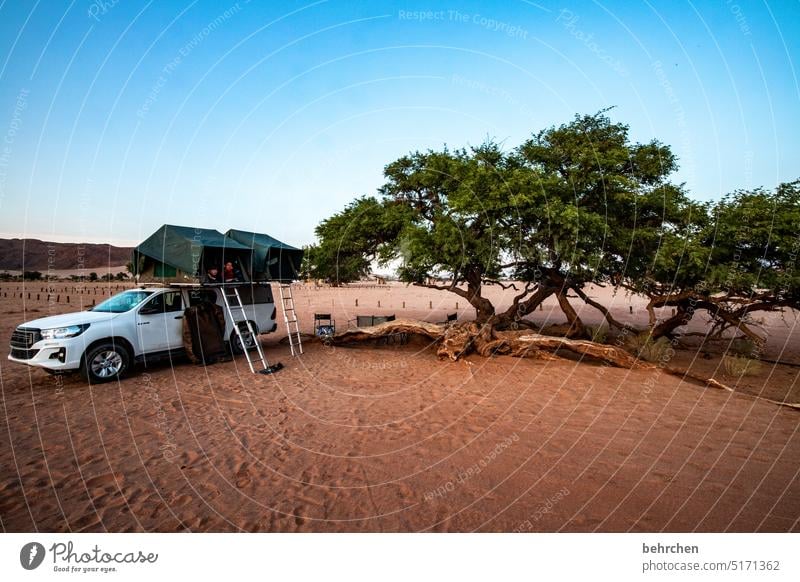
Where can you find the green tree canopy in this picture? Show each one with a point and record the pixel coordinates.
(575, 204)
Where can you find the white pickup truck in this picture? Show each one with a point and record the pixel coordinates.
(138, 325)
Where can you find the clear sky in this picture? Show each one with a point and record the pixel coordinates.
(118, 116)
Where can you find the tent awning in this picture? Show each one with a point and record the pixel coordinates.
(271, 258)
(182, 246)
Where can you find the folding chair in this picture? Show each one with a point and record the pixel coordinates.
(324, 325)
(451, 317)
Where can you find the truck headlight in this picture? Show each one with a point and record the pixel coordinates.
(64, 332)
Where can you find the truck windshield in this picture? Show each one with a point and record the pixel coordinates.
(123, 302)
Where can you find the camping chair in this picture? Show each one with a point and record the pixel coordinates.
(363, 320)
(370, 320)
(451, 317)
(324, 325)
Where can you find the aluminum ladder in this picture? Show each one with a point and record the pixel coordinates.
(290, 318)
(233, 302)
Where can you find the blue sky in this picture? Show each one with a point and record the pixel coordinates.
(118, 116)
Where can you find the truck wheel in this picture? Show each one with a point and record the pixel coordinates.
(236, 344)
(105, 362)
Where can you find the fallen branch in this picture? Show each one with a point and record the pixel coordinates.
(433, 331)
(610, 354)
(460, 339)
(715, 384)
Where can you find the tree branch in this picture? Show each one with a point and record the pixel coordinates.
(601, 308)
(496, 282)
(452, 288)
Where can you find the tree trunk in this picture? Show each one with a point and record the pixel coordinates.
(686, 305)
(576, 327)
(666, 327)
(519, 309)
(484, 310)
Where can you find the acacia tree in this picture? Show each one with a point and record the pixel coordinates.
(741, 262)
(594, 208)
(440, 214)
(574, 204)
(559, 211)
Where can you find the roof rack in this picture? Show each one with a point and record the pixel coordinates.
(221, 284)
(229, 284)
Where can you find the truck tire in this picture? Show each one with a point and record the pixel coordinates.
(236, 345)
(105, 362)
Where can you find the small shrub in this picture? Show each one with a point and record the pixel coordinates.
(737, 366)
(743, 346)
(598, 334)
(650, 350)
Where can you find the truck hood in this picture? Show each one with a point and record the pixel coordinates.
(67, 319)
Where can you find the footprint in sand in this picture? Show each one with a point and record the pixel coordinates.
(441, 522)
(211, 493)
(86, 521)
(242, 475)
(188, 458)
(157, 506)
(198, 523)
(181, 501)
(405, 492)
(42, 483)
(101, 480)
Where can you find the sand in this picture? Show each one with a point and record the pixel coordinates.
(391, 439)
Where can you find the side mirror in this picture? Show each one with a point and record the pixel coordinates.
(149, 311)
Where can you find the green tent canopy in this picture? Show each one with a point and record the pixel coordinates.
(271, 259)
(185, 253)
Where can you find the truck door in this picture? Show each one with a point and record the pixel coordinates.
(159, 322)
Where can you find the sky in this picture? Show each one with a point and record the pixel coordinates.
(119, 116)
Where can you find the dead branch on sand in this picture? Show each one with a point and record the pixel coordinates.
(458, 340)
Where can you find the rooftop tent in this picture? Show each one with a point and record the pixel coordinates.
(272, 259)
(185, 253)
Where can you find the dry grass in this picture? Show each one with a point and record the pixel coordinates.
(737, 366)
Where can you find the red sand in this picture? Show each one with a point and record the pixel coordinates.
(391, 439)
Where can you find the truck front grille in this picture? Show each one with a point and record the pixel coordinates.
(25, 337)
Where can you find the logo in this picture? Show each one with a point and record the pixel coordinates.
(31, 555)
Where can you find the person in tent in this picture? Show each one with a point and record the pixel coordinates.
(231, 274)
(212, 276)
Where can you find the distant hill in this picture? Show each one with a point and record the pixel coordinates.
(30, 254)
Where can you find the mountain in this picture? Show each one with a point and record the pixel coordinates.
(31, 254)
